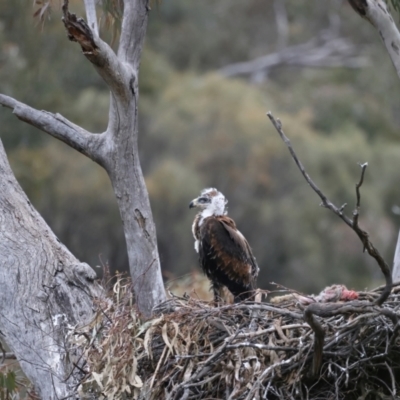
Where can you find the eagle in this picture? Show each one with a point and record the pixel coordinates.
(224, 253)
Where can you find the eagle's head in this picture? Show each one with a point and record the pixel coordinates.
(210, 202)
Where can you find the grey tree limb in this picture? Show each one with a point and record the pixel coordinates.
(90, 7)
(352, 223)
(282, 23)
(325, 51)
(55, 125)
(8, 356)
(322, 309)
(134, 26)
(117, 148)
(377, 13)
(117, 75)
(396, 262)
(44, 290)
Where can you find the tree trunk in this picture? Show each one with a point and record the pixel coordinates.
(376, 12)
(116, 149)
(44, 290)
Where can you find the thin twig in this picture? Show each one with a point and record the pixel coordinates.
(363, 236)
(322, 309)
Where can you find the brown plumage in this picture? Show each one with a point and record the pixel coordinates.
(224, 253)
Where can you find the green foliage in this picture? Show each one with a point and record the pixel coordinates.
(8, 385)
(74, 196)
(395, 4)
(269, 200)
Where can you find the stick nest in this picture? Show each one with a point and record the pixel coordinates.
(192, 350)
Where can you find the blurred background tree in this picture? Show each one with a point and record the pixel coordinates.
(200, 129)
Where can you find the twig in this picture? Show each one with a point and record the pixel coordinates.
(207, 363)
(318, 340)
(363, 236)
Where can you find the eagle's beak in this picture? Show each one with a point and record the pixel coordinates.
(193, 203)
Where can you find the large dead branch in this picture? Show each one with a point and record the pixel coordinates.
(352, 223)
(325, 51)
(91, 15)
(55, 125)
(396, 262)
(118, 75)
(377, 13)
(282, 23)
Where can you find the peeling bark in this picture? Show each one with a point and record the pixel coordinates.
(44, 289)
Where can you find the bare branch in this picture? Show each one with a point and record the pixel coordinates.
(356, 212)
(57, 126)
(353, 224)
(119, 76)
(119, 150)
(7, 356)
(325, 51)
(376, 12)
(396, 262)
(332, 309)
(134, 25)
(282, 23)
(90, 6)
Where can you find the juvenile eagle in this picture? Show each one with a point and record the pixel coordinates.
(224, 253)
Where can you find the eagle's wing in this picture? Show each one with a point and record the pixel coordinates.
(226, 256)
(242, 244)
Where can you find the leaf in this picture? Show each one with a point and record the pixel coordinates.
(165, 337)
(98, 378)
(138, 382)
(8, 381)
(149, 324)
(133, 370)
(149, 335)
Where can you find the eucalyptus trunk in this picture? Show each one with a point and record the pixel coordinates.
(44, 290)
(116, 149)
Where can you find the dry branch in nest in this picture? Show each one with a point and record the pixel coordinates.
(191, 350)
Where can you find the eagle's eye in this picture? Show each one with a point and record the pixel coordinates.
(203, 200)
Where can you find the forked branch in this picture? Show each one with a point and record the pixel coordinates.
(55, 125)
(352, 223)
(90, 6)
(118, 75)
(327, 310)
